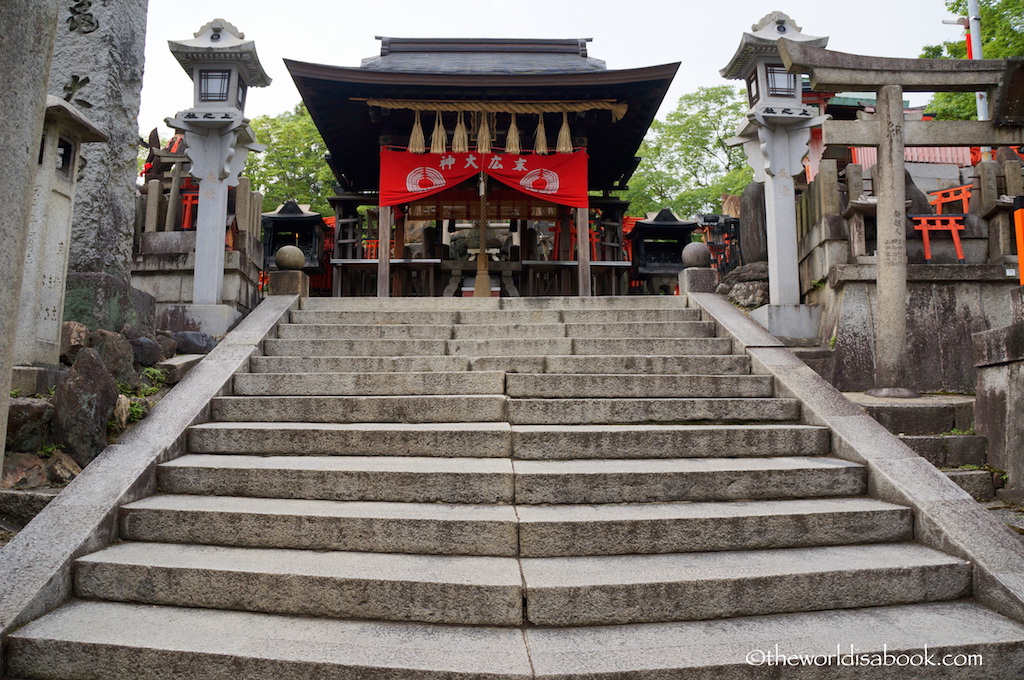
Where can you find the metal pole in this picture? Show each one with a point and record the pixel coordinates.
(974, 34)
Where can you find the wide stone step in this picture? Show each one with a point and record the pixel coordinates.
(630, 315)
(686, 479)
(141, 642)
(575, 385)
(509, 347)
(508, 331)
(716, 364)
(369, 384)
(420, 528)
(428, 588)
(371, 316)
(487, 440)
(530, 531)
(481, 440)
(541, 442)
(414, 409)
(626, 328)
(385, 348)
(651, 346)
(574, 591)
(354, 331)
(510, 316)
(650, 528)
(348, 478)
(595, 411)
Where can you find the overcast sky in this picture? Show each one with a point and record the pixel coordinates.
(626, 34)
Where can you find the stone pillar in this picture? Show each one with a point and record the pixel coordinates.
(891, 286)
(25, 54)
(780, 208)
(97, 67)
(211, 218)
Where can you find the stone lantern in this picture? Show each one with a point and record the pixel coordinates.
(41, 308)
(222, 65)
(775, 137)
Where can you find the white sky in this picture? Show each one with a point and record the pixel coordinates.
(627, 34)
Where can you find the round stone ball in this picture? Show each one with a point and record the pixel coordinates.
(696, 254)
(290, 258)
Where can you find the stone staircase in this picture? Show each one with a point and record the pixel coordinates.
(513, 488)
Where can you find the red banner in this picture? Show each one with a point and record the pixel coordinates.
(559, 178)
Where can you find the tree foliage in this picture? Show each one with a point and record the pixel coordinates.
(1002, 37)
(293, 165)
(686, 164)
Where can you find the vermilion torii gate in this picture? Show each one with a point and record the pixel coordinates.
(836, 72)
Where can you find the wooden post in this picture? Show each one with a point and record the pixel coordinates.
(583, 250)
(891, 282)
(384, 221)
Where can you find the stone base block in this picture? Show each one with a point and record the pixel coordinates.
(29, 380)
(102, 301)
(799, 322)
(211, 319)
(698, 280)
(289, 283)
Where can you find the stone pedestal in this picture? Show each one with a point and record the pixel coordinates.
(289, 283)
(999, 402)
(698, 280)
(789, 322)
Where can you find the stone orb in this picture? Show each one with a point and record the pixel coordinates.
(290, 258)
(696, 254)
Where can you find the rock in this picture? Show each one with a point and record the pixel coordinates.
(755, 271)
(61, 468)
(168, 346)
(146, 351)
(73, 337)
(23, 471)
(194, 342)
(82, 405)
(29, 424)
(696, 254)
(132, 332)
(749, 294)
(753, 226)
(117, 354)
(122, 409)
(723, 289)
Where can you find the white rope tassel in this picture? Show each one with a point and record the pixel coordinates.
(439, 138)
(512, 144)
(460, 139)
(540, 146)
(416, 142)
(564, 144)
(483, 135)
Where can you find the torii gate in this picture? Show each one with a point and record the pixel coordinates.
(837, 72)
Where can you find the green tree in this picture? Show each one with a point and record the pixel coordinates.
(686, 164)
(1002, 37)
(293, 165)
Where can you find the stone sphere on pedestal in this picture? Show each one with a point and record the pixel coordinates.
(696, 254)
(290, 258)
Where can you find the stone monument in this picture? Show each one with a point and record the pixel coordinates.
(222, 65)
(97, 68)
(775, 137)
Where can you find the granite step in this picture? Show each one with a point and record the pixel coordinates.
(611, 385)
(142, 642)
(499, 439)
(686, 479)
(398, 409)
(651, 346)
(716, 364)
(323, 330)
(466, 590)
(370, 384)
(638, 411)
(374, 316)
(348, 478)
(594, 591)
(342, 347)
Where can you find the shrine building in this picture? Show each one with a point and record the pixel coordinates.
(502, 154)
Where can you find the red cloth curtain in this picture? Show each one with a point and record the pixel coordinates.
(559, 178)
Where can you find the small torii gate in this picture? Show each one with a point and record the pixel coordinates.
(832, 71)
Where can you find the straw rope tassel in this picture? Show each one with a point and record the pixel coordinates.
(439, 138)
(512, 144)
(416, 143)
(540, 146)
(460, 139)
(483, 135)
(564, 144)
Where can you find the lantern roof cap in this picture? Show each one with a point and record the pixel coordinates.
(763, 42)
(220, 41)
